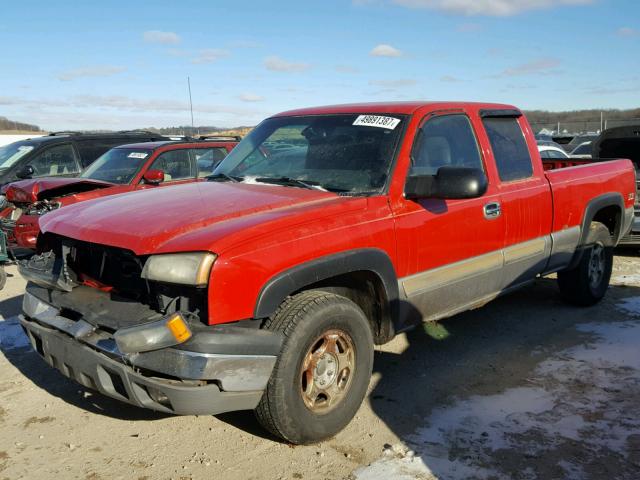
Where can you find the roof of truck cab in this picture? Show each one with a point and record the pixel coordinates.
(406, 108)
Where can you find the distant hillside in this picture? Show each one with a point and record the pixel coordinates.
(576, 121)
(11, 126)
(543, 116)
(201, 130)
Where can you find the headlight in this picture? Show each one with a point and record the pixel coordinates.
(184, 268)
(3, 202)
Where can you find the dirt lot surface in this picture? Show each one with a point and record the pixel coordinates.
(526, 387)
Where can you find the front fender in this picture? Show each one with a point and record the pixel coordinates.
(278, 287)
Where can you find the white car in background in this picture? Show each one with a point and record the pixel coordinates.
(551, 152)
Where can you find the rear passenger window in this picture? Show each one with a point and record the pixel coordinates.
(90, 150)
(509, 148)
(446, 140)
(207, 159)
(176, 165)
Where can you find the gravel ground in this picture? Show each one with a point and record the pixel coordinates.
(525, 387)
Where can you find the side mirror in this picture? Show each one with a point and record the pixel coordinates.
(448, 183)
(153, 177)
(25, 172)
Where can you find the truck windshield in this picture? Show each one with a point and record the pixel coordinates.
(118, 165)
(10, 154)
(347, 153)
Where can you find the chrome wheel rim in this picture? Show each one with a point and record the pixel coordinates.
(596, 265)
(327, 371)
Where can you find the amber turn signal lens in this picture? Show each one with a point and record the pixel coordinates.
(179, 328)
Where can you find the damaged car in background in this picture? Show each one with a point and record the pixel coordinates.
(267, 286)
(122, 169)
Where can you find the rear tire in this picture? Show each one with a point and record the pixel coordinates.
(587, 282)
(323, 370)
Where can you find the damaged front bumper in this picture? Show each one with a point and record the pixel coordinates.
(219, 369)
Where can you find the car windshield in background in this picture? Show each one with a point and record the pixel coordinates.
(583, 149)
(577, 140)
(345, 153)
(118, 165)
(10, 154)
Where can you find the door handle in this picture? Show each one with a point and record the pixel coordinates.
(492, 210)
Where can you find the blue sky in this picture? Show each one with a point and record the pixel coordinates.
(117, 64)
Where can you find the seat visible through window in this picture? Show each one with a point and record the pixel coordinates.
(446, 140)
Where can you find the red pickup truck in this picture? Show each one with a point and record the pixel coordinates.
(324, 232)
(122, 169)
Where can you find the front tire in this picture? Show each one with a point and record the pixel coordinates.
(323, 370)
(587, 282)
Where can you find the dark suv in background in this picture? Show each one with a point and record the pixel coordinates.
(61, 153)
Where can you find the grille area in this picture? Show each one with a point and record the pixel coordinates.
(118, 272)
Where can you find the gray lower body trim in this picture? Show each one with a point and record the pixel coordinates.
(235, 373)
(470, 283)
(447, 290)
(563, 248)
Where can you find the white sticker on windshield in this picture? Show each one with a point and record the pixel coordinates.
(138, 155)
(377, 121)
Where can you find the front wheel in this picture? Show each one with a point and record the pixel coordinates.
(587, 282)
(323, 370)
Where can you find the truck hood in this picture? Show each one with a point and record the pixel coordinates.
(144, 221)
(32, 190)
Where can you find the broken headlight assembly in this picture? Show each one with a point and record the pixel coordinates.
(41, 207)
(191, 268)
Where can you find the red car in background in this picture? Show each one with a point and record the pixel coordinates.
(122, 169)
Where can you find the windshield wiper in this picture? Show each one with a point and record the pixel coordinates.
(293, 182)
(223, 176)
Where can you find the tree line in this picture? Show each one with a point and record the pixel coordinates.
(574, 116)
(6, 124)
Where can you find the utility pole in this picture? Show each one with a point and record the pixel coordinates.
(190, 105)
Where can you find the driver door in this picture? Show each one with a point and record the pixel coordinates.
(449, 250)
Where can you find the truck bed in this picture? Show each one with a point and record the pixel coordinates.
(576, 185)
(556, 163)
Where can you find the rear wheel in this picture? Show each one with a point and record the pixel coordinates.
(587, 282)
(323, 370)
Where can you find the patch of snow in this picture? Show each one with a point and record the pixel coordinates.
(396, 466)
(251, 180)
(12, 336)
(630, 305)
(571, 398)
